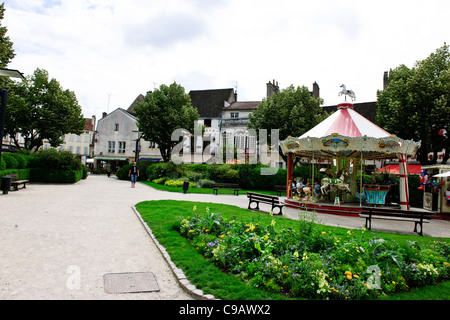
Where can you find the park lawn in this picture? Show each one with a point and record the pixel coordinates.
(161, 216)
(203, 190)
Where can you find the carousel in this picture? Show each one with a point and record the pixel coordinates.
(344, 142)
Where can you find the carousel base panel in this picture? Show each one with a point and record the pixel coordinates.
(346, 209)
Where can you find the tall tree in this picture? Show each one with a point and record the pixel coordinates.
(163, 111)
(39, 108)
(6, 45)
(293, 111)
(415, 105)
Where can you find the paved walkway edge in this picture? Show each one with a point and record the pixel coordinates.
(178, 273)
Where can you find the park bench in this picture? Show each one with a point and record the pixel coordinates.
(281, 190)
(15, 182)
(418, 217)
(230, 186)
(264, 198)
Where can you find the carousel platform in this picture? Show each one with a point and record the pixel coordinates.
(350, 209)
(325, 206)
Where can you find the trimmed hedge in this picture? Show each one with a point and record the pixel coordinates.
(55, 175)
(24, 174)
(47, 166)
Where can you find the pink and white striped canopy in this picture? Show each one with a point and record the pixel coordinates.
(346, 122)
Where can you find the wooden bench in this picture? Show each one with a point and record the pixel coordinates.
(264, 198)
(15, 182)
(281, 190)
(232, 186)
(418, 217)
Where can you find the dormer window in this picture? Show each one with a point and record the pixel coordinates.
(116, 127)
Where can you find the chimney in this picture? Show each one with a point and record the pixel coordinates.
(272, 88)
(104, 114)
(385, 80)
(94, 118)
(316, 90)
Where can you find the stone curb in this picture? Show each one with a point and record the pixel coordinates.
(178, 273)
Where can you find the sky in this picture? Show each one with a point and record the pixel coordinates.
(110, 51)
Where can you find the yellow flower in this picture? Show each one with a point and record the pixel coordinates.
(393, 282)
(324, 233)
(190, 231)
(296, 254)
(222, 236)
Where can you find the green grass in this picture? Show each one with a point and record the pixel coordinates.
(203, 190)
(161, 216)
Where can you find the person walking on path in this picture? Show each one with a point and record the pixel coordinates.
(134, 174)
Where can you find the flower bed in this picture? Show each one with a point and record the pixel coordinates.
(304, 261)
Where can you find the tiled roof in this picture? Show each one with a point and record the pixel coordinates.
(210, 103)
(245, 105)
(89, 126)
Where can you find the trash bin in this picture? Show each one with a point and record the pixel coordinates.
(6, 184)
(185, 186)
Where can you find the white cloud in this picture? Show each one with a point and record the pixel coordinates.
(95, 47)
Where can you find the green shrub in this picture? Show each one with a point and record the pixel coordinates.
(24, 174)
(122, 173)
(160, 180)
(55, 159)
(205, 183)
(55, 175)
(85, 172)
(179, 183)
(10, 161)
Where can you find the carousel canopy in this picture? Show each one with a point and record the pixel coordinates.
(346, 133)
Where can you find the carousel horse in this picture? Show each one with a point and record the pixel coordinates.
(346, 92)
(332, 184)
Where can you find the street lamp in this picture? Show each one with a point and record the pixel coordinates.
(4, 96)
(139, 136)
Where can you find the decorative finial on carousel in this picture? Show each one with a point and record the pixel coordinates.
(346, 93)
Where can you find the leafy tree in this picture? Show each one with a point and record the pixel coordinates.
(293, 111)
(415, 104)
(163, 111)
(6, 46)
(39, 108)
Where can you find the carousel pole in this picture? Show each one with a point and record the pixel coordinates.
(404, 188)
(361, 182)
(290, 174)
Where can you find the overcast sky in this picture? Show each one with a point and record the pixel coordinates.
(114, 50)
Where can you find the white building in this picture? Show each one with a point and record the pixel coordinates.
(115, 141)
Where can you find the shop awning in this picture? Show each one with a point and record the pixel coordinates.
(110, 159)
(394, 169)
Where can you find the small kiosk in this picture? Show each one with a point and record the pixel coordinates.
(435, 183)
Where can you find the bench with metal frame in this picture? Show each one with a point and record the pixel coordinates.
(230, 186)
(274, 201)
(418, 217)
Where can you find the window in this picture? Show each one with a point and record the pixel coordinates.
(78, 150)
(122, 147)
(111, 147)
(152, 145)
(71, 138)
(86, 138)
(78, 138)
(234, 115)
(116, 127)
(86, 151)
